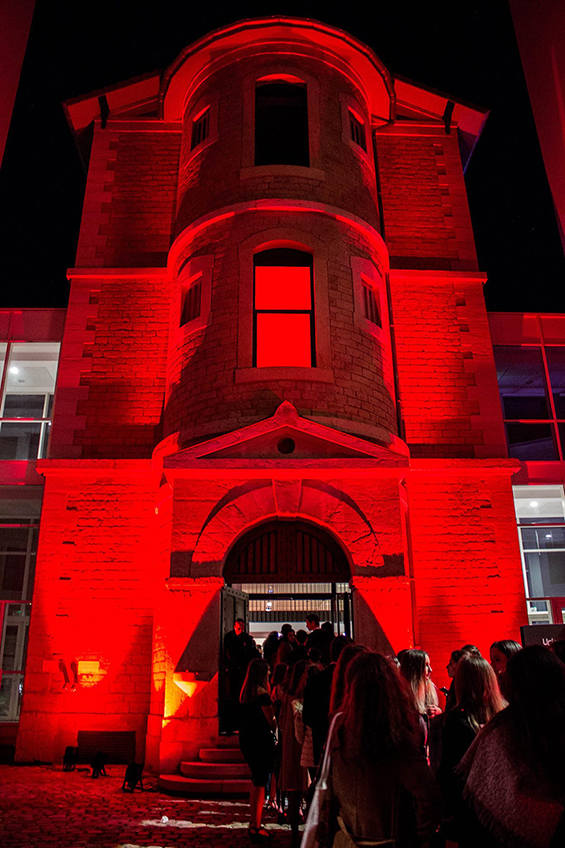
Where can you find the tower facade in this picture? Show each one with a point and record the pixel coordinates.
(276, 372)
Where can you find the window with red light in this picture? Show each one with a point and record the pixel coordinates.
(283, 313)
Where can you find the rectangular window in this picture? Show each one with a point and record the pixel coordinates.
(540, 511)
(281, 124)
(283, 309)
(521, 382)
(531, 383)
(191, 303)
(26, 406)
(371, 305)
(14, 622)
(357, 131)
(200, 129)
(556, 367)
(531, 441)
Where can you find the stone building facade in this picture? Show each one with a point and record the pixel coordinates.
(276, 371)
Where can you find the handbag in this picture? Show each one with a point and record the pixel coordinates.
(321, 822)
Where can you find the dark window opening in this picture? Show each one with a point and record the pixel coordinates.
(200, 129)
(521, 382)
(371, 305)
(191, 303)
(357, 131)
(283, 314)
(556, 367)
(281, 124)
(531, 441)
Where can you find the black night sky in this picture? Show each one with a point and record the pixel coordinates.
(466, 51)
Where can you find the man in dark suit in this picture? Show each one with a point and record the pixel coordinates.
(239, 650)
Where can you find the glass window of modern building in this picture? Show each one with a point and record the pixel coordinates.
(531, 382)
(29, 371)
(540, 511)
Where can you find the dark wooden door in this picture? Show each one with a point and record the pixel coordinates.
(285, 552)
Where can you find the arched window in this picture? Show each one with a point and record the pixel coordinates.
(281, 123)
(283, 309)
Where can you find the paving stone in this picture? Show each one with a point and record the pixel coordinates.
(45, 807)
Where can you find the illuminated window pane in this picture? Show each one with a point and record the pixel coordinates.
(283, 339)
(521, 382)
(32, 368)
(283, 287)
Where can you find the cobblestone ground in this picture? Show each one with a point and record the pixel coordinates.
(45, 807)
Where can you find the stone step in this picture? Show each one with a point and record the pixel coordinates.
(228, 740)
(220, 755)
(179, 785)
(214, 771)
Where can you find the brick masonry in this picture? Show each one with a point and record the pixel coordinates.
(425, 210)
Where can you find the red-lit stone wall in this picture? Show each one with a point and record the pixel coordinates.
(425, 210)
(446, 375)
(111, 381)
(132, 550)
(223, 173)
(212, 386)
(99, 567)
(468, 585)
(130, 195)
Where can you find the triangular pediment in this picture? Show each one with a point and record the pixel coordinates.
(288, 436)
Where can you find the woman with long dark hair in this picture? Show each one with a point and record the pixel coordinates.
(256, 739)
(347, 655)
(500, 653)
(379, 780)
(293, 778)
(515, 781)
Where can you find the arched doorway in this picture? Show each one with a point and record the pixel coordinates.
(276, 573)
(286, 568)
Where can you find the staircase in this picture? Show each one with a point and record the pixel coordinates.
(220, 770)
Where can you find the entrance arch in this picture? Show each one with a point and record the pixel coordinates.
(286, 568)
(286, 551)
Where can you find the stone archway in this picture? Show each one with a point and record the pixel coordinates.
(301, 500)
(286, 551)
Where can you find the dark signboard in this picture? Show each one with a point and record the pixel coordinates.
(541, 634)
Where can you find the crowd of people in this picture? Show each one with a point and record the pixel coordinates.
(482, 767)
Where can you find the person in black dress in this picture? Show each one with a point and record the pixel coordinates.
(257, 739)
